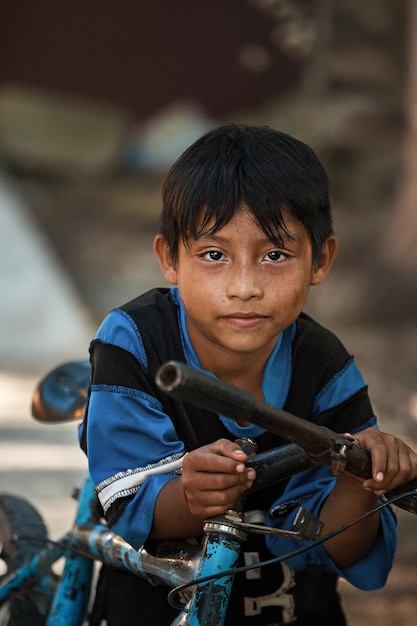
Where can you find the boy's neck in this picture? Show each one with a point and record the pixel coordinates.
(244, 373)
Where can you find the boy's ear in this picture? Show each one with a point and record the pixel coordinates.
(165, 261)
(322, 268)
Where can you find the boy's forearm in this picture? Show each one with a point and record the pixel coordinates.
(172, 517)
(347, 501)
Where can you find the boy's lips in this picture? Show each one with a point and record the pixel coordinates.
(244, 319)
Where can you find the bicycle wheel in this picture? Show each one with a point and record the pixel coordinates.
(22, 534)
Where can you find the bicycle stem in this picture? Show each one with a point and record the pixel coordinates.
(311, 444)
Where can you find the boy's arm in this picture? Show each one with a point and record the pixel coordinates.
(347, 501)
(393, 463)
(213, 478)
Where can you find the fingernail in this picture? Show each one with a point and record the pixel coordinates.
(239, 452)
(240, 467)
(379, 477)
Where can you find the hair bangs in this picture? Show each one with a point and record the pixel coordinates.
(270, 174)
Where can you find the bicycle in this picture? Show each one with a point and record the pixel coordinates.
(32, 594)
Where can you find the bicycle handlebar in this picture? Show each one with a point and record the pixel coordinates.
(311, 445)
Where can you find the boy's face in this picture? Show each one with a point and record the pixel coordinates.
(239, 290)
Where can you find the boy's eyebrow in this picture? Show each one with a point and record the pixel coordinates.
(284, 237)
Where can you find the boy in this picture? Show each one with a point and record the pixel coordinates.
(246, 228)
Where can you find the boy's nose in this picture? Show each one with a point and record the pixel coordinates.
(244, 283)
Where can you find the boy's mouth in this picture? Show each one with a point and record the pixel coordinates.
(244, 319)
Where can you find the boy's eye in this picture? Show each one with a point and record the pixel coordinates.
(275, 255)
(213, 255)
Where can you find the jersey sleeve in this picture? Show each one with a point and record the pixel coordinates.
(133, 447)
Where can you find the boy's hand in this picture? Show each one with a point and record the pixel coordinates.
(393, 461)
(214, 476)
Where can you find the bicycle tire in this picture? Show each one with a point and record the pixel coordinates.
(22, 534)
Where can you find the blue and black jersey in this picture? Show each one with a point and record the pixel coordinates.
(136, 436)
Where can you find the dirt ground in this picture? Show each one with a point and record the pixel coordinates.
(102, 234)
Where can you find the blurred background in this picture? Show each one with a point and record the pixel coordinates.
(98, 99)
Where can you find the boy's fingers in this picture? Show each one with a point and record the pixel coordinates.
(221, 457)
(393, 462)
(400, 469)
(372, 441)
(227, 448)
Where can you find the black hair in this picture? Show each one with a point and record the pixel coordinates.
(268, 171)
